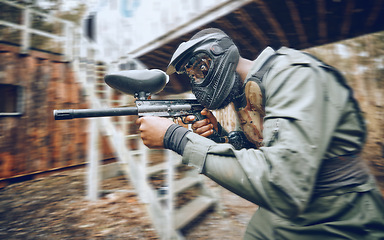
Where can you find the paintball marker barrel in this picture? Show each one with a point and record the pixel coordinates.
(161, 108)
(64, 114)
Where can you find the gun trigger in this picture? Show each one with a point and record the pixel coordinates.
(182, 119)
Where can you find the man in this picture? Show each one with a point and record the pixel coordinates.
(303, 132)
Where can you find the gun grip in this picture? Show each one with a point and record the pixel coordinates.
(215, 136)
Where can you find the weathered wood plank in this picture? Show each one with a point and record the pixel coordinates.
(34, 141)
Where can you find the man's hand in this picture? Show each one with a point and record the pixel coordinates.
(152, 130)
(204, 127)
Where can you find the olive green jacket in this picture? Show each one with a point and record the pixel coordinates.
(310, 117)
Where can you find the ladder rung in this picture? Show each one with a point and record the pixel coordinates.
(191, 211)
(133, 136)
(181, 185)
(160, 167)
(185, 183)
(136, 152)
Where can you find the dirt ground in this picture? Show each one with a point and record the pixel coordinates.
(54, 207)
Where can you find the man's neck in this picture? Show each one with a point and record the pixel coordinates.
(243, 67)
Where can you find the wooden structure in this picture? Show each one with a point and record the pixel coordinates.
(255, 24)
(31, 141)
(37, 75)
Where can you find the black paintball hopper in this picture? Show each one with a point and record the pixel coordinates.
(139, 83)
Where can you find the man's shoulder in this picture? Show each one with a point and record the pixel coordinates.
(293, 56)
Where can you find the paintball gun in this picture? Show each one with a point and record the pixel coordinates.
(141, 84)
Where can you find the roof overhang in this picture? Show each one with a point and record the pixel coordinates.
(254, 25)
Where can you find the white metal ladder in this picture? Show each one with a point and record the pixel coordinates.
(167, 221)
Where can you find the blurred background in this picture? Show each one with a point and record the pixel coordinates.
(54, 54)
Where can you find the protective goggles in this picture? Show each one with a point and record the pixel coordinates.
(197, 67)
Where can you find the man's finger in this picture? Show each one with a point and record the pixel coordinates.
(189, 119)
(201, 123)
(207, 134)
(211, 117)
(204, 129)
(138, 121)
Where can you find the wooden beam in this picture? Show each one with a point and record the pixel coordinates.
(153, 57)
(321, 19)
(346, 26)
(272, 21)
(298, 24)
(252, 27)
(372, 18)
(230, 29)
(196, 22)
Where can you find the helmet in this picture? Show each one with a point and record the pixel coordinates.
(209, 59)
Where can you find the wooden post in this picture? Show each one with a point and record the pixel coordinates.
(169, 215)
(68, 41)
(142, 176)
(26, 36)
(93, 178)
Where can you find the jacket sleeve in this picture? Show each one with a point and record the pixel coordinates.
(279, 176)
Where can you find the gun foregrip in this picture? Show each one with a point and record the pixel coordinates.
(63, 114)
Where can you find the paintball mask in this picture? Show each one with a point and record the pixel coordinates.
(210, 61)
